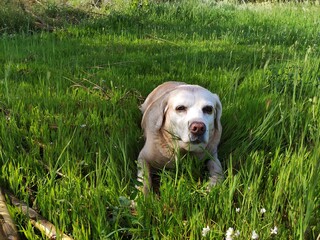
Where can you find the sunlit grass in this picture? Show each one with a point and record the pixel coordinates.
(70, 125)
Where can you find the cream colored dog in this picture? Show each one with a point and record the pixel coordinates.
(179, 117)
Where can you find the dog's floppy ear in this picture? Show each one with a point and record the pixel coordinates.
(154, 107)
(154, 113)
(218, 113)
(215, 138)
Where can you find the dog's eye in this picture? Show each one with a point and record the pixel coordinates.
(181, 108)
(207, 109)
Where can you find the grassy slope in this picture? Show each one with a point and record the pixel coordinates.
(69, 102)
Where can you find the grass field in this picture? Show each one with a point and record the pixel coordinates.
(70, 125)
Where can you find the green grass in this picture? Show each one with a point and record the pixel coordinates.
(69, 105)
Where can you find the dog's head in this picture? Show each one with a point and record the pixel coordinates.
(188, 114)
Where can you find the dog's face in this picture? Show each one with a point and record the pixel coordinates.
(190, 116)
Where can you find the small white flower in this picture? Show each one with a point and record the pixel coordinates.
(254, 235)
(237, 209)
(274, 230)
(83, 125)
(205, 231)
(229, 232)
(262, 210)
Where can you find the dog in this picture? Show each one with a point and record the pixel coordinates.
(179, 118)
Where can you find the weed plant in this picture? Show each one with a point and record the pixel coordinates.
(70, 125)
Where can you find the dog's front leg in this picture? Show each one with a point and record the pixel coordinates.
(144, 175)
(215, 171)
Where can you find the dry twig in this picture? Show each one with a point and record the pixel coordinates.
(37, 220)
(8, 228)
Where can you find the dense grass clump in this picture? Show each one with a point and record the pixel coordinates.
(70, 125)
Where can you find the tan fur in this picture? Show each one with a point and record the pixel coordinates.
(168, 129)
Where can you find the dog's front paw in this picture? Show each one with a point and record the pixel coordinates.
(214, 180)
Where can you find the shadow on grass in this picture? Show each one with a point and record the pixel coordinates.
(29, 17)
(133, 59)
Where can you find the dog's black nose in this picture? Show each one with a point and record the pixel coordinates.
(197, 128)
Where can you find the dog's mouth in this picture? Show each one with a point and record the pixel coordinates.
(197, 141)
(193, 140)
